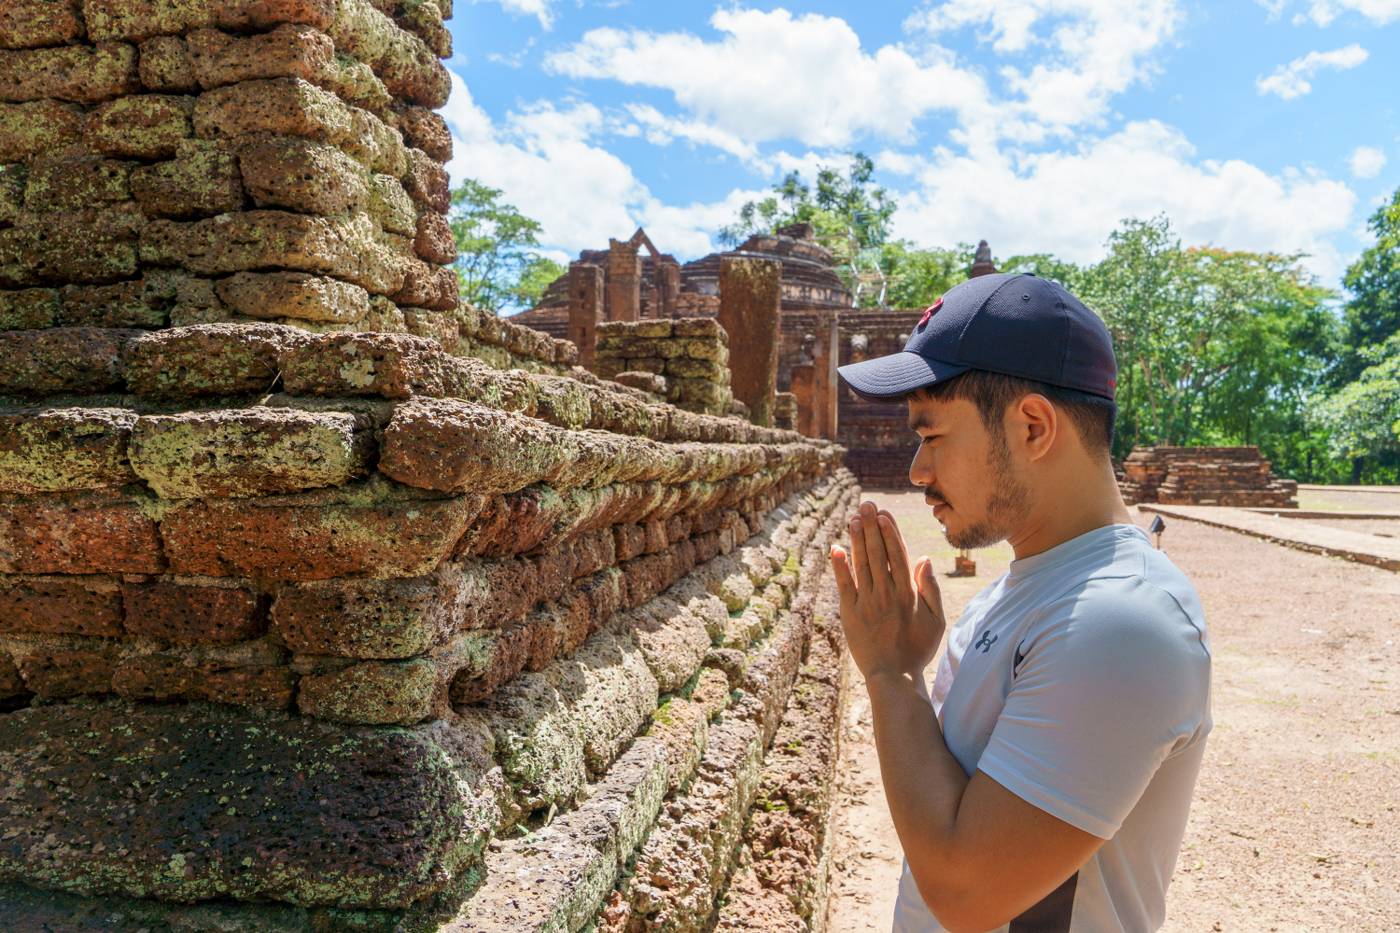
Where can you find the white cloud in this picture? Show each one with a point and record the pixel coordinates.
(1087, 51)
(661, 130)
(1380, 12)
(1366, 162)
(544, 160)
(541, 10)
(1068, 202)
(1295, 78)
(775, 75)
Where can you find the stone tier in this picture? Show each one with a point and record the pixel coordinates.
(388, 828)
(691, 354)
(1226, 476)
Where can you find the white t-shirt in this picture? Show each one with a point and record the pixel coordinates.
(1080, 681)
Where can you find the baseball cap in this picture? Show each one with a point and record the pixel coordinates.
(1016, 324)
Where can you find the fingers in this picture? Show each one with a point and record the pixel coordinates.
(898, 556)
(874, 539)
(859, 556)
(841, 568)
(930, 594)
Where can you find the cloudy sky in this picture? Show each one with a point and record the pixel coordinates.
(1036, 124)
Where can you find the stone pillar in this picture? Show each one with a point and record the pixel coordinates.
(808, 408)
(750, 291)
(624, 282)
(585, 309)
(668, 282)
(825, 383)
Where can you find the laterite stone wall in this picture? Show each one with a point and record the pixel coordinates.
(327, 602)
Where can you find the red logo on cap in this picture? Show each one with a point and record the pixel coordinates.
(930, 311)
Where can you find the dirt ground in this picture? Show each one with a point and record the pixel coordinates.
(1385, 527)
(1350, 499)
(1296, 822)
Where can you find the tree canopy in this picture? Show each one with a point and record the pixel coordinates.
(499, 266)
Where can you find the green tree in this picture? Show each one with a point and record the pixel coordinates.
(848, 211)
(915, 278)
(1362, 418)
(1373, 313)
(1214, 346)
(498, 263)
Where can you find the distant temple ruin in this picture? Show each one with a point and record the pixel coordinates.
(818, 329)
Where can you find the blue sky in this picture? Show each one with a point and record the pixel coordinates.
(1036, 124)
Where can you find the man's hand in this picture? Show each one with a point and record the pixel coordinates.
(893, 622)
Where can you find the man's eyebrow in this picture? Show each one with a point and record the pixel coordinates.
(923, 421)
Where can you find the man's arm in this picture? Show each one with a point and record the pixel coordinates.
(979, 854)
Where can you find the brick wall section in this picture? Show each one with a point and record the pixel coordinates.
(691, 354)
(1228, 476)
(317, 587)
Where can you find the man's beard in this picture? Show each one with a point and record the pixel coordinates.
(1008, 500)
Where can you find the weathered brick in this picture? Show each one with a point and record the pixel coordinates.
(449, 445)
(191, 613)
(145, 126)
(75, 182)
(427, 130)
(345, 247)
(289, 51)
(29, 308)
(26, 24)
(142, 303)
(281, 106)
(79, 73)
(407, 66)
(29, 129)
(247, 674)
(390, 206)
(368, 618)
(301, 175)
(63, 449)
(202, 179)
(434, 240)
(61, 606)
(165, 66)
(371, 530)
(248, 452)
(371, 692)
(74, 360)
(294, 295)
(90, 246)
(208, 359)
(61, 666)
(88, 532)
(141, 19)
(386, 365)
(427, 182)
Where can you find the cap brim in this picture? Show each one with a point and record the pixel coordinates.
(896, 375)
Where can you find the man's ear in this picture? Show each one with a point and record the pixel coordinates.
(1036, 424)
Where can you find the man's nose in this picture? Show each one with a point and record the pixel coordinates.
(920, 469)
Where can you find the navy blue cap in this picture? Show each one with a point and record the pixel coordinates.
(1013, 324)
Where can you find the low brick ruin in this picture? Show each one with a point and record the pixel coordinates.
(1230, 476)
(326, 602)
(690, 357)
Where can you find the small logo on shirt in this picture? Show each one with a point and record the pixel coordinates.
(985, 642)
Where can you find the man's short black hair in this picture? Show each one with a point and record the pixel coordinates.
(1093, 416)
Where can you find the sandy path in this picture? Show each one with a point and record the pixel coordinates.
(1296, 824)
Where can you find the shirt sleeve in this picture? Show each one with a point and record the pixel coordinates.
(1112, 681)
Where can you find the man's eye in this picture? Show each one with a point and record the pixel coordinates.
(932, 437)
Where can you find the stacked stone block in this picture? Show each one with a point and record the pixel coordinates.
(455, 599)
(166, 164)
(1226, 476)
(692, 354)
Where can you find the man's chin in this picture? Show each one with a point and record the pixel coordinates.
(975, 536)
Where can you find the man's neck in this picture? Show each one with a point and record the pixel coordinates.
(1079, 502)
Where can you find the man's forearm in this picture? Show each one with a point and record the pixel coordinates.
(924, 783)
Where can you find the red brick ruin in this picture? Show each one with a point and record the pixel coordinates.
(329, 603)
(1229, 476)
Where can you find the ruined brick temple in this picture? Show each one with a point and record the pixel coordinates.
(818, 330)
(327, 603)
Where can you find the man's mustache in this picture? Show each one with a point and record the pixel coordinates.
(932, 496)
